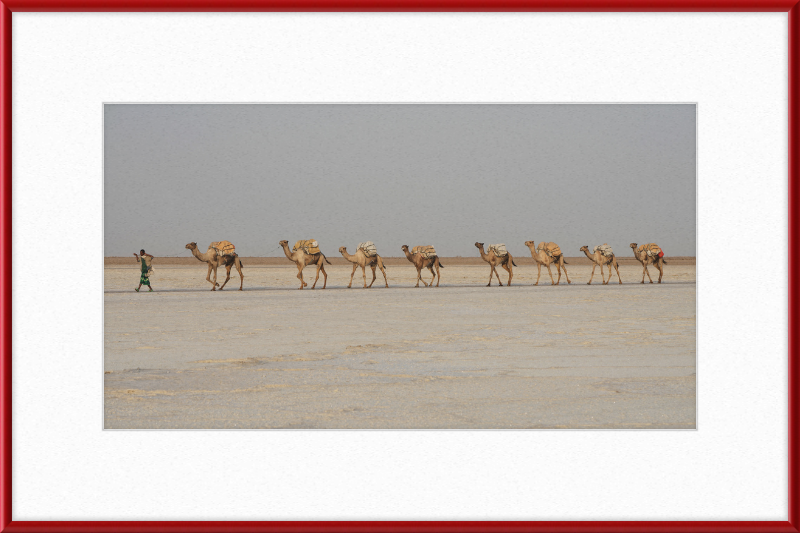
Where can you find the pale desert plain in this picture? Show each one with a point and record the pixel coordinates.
(460, 356)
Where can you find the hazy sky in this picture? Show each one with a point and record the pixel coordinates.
(446, 175)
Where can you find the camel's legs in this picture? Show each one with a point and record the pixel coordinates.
(439, 276)
(540, 272)
(383, 271)
(552, 282)
(208, 277)
(325, 279)
(660, 271)
(493, 272)
(603, 276)
(355, 266)
(228, 272)
(372, 266)
(430, 267)
(239, 269)
(300, 276)
(592, 276)
(496, 273)
(214, 268)
(509, 268)
(419, 277)
(364, 274)
(319, 266)
(562, 264)
(646, 272)
(616, 267)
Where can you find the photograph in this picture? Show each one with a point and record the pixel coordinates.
(399, 266)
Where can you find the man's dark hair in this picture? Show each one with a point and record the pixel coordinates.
(141, 251)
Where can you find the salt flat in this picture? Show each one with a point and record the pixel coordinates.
(460, 356)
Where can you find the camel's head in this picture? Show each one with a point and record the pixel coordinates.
(284, 243)
(342, 249)
(404, 247)
(529, 244)
(191, 246)
(634, 245)
(478, 245)
(585, 249)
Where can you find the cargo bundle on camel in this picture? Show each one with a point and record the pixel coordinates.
(306, 253)
(426, 251)
(222, 248)
(602, 255)
(368, 247)
(215, 259)
(649, 254)
(309, 246)
(366, 255)
(498, 256)
(424, 257)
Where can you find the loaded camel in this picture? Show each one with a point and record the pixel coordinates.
(597, 258)
(642, 256)
(302, 259)
(361, 260)
(420, 261)
(541, 258)
(215, 261)
(505, 261)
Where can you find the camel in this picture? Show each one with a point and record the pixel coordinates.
(420, 261)
(645, 260)
(361, 260)
(215, 261)
(597, 258)
(302, 259)
(505, 261)
(542, 258)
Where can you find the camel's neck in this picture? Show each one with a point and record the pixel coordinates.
(483, 254)
(409, 256)
(349, 257)
(287, 252)
(198, 255)
(590, 256)
(538, 255)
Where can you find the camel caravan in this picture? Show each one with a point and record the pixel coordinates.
(307, 253)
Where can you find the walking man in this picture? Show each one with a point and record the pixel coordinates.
(146, 260)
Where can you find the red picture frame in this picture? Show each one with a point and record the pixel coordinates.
(792, 7)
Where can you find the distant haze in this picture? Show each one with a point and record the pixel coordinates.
(446, 175)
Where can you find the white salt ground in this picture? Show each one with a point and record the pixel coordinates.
(460, 356)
